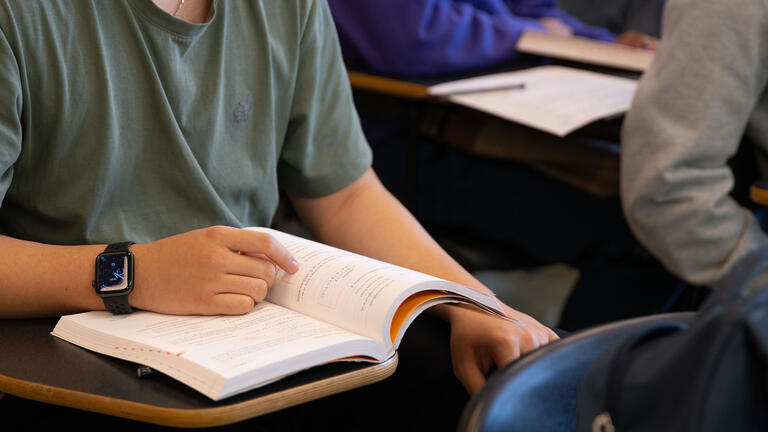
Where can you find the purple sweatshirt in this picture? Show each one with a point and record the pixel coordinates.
(433, 37)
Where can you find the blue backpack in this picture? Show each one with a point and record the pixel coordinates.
(709, 373)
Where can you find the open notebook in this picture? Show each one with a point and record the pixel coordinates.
(555, 99)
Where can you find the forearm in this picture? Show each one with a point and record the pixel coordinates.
(44, 280)
(364, 218)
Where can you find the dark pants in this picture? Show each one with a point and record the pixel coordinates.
(511, 203)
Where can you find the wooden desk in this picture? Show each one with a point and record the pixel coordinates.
(36, 365)
(390, 86)
(418, 87)
(587, 158)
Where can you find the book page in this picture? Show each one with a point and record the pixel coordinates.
(554, 99)
(351, 291)
(585, 50)
(218, 354)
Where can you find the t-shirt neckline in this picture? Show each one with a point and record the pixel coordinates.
(152, 12)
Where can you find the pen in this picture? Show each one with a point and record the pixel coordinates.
(516, 86)
(145, 371)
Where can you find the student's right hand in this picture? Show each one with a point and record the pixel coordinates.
(215, 270)
(480, 341)
(556, 26)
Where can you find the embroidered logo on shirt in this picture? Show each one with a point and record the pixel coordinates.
(243, 110)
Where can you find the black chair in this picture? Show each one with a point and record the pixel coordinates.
(538, 392)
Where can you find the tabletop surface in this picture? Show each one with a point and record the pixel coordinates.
(36, 365)
(417, 87)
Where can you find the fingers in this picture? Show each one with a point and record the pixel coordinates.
(228, 304)
(254, 288)
(252, 267)
(507, 351)
(542, 333)
(551, 335)
(254, 243)
(473, 380)
(539, 334)
(469, 372)
(240, 294)
(479, 341)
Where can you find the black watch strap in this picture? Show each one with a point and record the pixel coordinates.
(120, 247)
(118, 305)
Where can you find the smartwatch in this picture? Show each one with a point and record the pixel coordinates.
(114, 277)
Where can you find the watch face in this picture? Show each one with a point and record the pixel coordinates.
(112, 272)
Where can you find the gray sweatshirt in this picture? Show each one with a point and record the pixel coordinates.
(704, 91)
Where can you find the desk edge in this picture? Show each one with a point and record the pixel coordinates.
(390, 86)
(205, 417)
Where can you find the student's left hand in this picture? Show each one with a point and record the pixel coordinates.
(480, 341)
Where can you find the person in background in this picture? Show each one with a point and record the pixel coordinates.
(522, 203)
(174, 125)
(692, 115)
(643, 16)
(439, 37)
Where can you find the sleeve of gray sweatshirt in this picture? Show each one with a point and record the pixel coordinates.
(692, 107)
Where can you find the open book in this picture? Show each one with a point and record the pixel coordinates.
(583, 50)
(555, 99)
(338, 306)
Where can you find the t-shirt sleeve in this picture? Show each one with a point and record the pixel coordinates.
(324, 149)
(10, 114)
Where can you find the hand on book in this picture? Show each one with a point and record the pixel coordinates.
(480, 341)
(215, 270)
(638, 40)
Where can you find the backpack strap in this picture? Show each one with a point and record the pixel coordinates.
(601, 387)
(737, 283)
(623, 355)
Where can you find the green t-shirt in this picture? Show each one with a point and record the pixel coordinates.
(120, 122)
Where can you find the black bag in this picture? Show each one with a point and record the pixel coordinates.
(706, 374)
